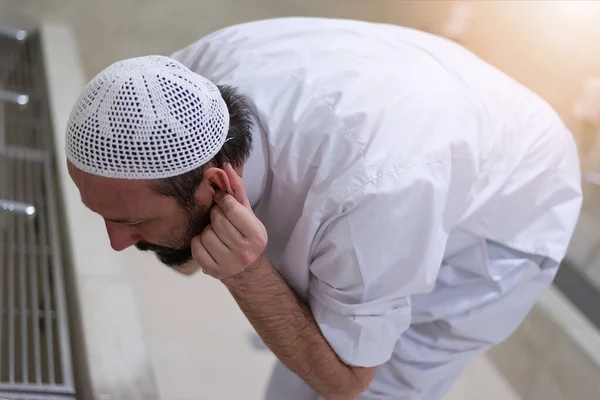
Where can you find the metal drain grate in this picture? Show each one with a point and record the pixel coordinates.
(17, 396)
(22, 81)
(35, 354)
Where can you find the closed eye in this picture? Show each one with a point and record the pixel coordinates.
(135, 224)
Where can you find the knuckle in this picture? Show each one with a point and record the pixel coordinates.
(206, 234)
(263, 239)
(198, 248)
(229, 204)
(233, 214)
(214, 213)
(196, 241)
(248, 257)
(217, 218)
(197, 253)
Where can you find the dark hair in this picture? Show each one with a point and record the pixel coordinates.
(235, 151)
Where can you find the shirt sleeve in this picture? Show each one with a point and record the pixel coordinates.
(387, 246)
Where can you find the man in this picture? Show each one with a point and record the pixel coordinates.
(383, 205)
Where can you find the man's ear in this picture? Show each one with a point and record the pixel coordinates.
(217, 179)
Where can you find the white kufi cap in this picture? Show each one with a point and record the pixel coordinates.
(146, 118)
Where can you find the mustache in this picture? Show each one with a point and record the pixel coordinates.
(166, 255)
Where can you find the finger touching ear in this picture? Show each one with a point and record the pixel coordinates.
(237, 185)
(218, 179)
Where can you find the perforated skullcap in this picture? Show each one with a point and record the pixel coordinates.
(146, 118)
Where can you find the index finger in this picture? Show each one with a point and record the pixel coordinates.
(240, 216)
(237, 186)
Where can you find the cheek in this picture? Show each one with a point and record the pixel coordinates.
(164, 231)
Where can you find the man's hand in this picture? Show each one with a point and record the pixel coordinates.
(236, 239)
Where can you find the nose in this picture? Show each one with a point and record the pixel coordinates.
(121, 236)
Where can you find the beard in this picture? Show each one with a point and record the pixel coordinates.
(198, 218)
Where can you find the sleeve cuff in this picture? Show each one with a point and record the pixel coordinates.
(361, 340)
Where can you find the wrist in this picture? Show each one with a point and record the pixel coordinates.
(249, 274)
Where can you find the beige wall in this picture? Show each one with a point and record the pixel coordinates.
(547, 45)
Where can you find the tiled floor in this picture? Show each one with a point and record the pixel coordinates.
(201, 345)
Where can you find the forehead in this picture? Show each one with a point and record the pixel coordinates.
(117, 199)
(107, 187)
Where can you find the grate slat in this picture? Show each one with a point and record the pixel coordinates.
(11, 291)
(49, 367)
(23, 329)
(33, 282)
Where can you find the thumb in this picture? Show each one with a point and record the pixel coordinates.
(237, 186)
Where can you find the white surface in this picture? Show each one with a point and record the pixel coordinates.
(119, 363)
(201, 343)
